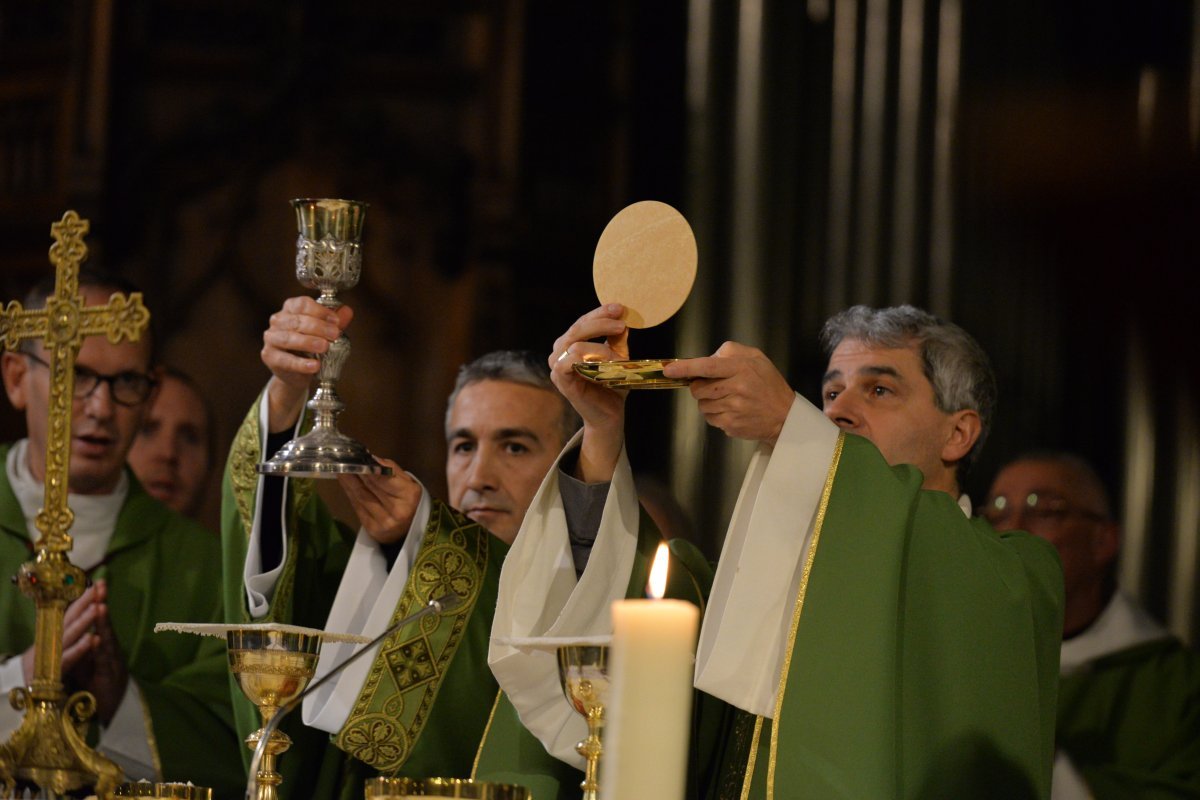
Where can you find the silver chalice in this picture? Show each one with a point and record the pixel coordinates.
(328, 259)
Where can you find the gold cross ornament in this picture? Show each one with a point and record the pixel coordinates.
(48, 749)
(63, 323)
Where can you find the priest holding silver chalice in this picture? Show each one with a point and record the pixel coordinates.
(420, 708)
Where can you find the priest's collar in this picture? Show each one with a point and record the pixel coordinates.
(1121, 625)
(95, 514)
(964, 502)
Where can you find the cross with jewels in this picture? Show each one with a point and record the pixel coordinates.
(48, 748)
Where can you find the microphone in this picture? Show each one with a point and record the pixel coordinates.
(438, 605)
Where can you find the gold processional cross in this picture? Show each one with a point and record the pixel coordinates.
(48, 749)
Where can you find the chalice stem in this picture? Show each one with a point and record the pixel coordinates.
(268, 780)
(591, 749)
(325, 403)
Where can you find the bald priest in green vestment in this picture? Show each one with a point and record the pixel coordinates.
(163, 708)
(426, 704)
(875, 640)
(1129, 695)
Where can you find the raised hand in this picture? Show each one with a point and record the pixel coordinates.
(738, 390)
(299, 331)
(385, 505)
(602, 409)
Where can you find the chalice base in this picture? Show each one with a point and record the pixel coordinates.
(322, 454)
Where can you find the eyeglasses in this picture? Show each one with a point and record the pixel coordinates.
(126, 388)
(1035, 509)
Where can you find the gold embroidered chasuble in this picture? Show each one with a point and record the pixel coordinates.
(429, 695)
(414, 666)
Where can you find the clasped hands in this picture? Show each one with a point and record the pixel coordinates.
(91, 657)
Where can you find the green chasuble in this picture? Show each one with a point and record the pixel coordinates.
(429, 700)
(923, 656)
(1130, 722)
(160, 567)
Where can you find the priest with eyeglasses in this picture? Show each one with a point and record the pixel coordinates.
(163, 704)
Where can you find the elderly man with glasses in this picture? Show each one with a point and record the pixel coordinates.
(163, 703)
(1129, 691)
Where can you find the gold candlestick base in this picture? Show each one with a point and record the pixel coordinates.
(48, 749)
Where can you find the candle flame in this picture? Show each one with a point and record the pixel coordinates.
(658, 572)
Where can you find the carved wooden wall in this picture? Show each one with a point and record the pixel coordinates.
(493, 140)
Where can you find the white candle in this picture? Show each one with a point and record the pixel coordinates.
(650, 700)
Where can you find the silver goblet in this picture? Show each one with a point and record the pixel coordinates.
(327, 259)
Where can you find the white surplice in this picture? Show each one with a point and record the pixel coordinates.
(366, 599)
(540, 597)
(755, 583)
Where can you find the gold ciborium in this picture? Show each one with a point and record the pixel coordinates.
(328, 259)
(410, 788)
(272, 667)
(175, 791)
(583, 671)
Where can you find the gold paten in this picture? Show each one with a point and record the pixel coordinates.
(407, 788)
(645, 374)
(48, 748)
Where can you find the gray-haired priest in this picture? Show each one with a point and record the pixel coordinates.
(874, 640)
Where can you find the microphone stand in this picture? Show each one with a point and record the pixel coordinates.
(438, 605)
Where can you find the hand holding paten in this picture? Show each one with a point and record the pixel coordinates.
(602, 408)
(738, 390)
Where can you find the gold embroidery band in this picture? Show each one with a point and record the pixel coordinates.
(242, 457)
(486, 730)
(397, 697)
(752, 759)
(791, 642)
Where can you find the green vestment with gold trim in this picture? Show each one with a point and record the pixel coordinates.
(430, 706)
(924, 654)
(160, 567)
(1130, 722)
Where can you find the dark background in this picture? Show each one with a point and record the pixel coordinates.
(495, 139)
